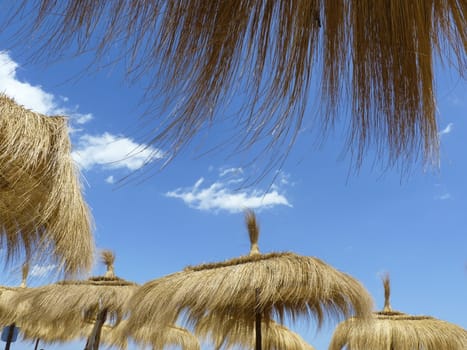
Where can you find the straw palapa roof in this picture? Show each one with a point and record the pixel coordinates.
(73, 302)
(278, 283)
(374, 56)
(396, 330)
(229, 333)
(42, 209)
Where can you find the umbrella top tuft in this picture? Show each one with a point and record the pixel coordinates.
(387, 293)
(108, 258)
(253, 231)
(24, 274)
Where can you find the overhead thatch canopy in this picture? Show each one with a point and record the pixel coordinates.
(229, 333)
(250, 287)
(396, 330)
(73, 302)
(42, 210)
(374, 59)
(158, 338)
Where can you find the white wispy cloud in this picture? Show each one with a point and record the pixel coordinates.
(110, 179)
(41, 271)
(34, 97)
(446, 130)
(220, 195)
(113, 152)
(230, 171)
(443, 196)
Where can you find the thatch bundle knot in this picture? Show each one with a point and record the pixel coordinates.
(24, 274)
(253, 231)
(108, 258)
(387, 293)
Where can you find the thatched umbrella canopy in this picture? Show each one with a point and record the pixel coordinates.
(252, 288)
(42, 210)
(158, 338)
(229, 333)
(73, 302)
(374, 56)
(396, 330)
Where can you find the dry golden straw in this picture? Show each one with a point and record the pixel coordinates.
(230, 333)
(396, 330)
(374, 60)
(9, 311)
(71, 303)
(158, 338)
(42, 210)
(276, 284)
(57, 332)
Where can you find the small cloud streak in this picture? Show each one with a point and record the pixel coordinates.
(41, 271)
(446, 130)
(443, 197)
(230, 171)
(220, 197)
(110, 179)
(113, 152)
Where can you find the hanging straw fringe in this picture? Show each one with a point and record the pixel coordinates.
(42, 209)
(375, 56)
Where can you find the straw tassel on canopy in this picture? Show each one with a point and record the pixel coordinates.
(42, 210)
(279, 284)
(396, 330)
(373, 61)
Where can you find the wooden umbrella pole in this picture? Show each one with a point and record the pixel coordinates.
(37, 344)
(11, 331)
(94, 338)
(258, 323)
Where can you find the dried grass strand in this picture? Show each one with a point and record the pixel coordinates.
(376, 56)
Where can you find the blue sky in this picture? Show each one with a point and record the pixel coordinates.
(411, 225)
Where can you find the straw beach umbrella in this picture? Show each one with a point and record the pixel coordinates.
(374, 56)
(71, 303)
(396, 330)
(250, 288)
(157, 337)
(42, 210)
(229, 333)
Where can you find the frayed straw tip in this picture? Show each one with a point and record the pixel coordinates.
(253, 231)
(387, 292)
(108, 258)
